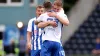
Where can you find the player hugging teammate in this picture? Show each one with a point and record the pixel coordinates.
(51, 21)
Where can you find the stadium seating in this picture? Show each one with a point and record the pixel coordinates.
(83, 40)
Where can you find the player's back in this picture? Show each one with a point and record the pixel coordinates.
(52, 33)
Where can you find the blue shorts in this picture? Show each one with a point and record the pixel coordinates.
(35, 52)
(61, 51)
(51, 48)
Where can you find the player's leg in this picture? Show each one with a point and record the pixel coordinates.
(61, 51)
(58, 51)
(35, 52)
(45, 51)
(56, 48)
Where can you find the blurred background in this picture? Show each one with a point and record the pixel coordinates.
(80, 38)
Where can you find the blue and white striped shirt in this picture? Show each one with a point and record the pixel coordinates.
(36, 34)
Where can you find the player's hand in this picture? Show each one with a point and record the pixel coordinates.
(29, 45)
(53, 23)
(52, 14)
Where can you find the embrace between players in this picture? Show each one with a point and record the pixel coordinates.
(44, 30)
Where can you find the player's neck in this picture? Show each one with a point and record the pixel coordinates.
(48, 10)
(37, 16)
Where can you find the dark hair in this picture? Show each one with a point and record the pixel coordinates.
(58, 3)
(47, 5)
(39, 6)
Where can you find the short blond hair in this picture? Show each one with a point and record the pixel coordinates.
(58, 3)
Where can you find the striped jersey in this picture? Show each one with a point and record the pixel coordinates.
(36, 35)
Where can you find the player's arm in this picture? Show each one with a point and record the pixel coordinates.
(39, 19)
(62, 18)
(41, 24)
(29, 40)
(29, 33)
(47, 23)
(37, 22)
(29, 37)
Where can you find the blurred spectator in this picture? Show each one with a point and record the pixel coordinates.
(12, 47)
(96, 51)
(28, 52)
(6, 42)
(22, 46)
(9, 48)
(6, 48)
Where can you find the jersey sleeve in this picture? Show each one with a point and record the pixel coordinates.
(29, 28)
(40, 18)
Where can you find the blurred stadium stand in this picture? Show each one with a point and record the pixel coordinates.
(83, 40)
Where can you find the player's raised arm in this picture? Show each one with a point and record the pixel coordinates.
(39, 19)
(62, 18)
(36, 22)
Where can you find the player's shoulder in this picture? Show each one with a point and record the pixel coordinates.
(44, 14)
(32, 19)
(62, 10)
(65, 15)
